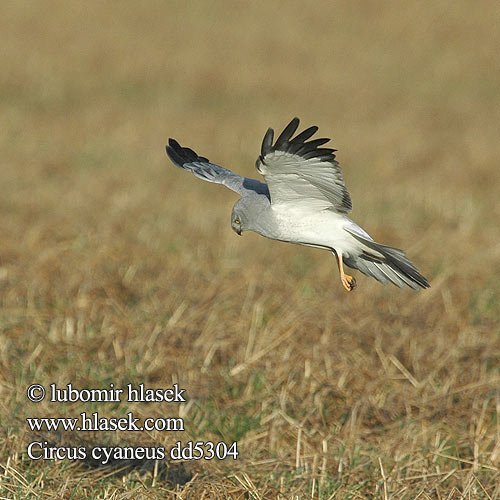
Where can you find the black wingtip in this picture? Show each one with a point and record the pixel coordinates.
(173, 147)
(298, 145)
(174, 151)
(267, 142)
(180, 156)
(174, 144)
(287, 133)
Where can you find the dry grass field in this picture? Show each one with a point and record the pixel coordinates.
(117, 267)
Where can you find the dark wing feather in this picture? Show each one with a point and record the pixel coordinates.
(286, 135)
(267, 143)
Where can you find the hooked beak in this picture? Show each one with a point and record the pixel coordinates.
(238, 232)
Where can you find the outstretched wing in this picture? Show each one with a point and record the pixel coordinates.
(300, 172)
(201, 167)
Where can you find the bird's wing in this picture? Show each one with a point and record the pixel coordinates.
(300, 172)
(201, 167)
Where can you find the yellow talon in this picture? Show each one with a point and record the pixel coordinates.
(348, 282)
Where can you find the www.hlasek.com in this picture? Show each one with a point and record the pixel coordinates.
(190, 450)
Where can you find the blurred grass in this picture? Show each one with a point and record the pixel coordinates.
(117, 267)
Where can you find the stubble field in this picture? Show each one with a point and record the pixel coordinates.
(116, 267)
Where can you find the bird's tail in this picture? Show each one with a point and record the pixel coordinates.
(387, 264)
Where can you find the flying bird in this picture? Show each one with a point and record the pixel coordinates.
(305, 201)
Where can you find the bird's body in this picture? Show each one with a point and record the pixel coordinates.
(323, 230)
(305, 201)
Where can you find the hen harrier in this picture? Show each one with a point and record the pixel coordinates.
(304, 201)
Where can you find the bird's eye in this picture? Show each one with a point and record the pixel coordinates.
(237, 221)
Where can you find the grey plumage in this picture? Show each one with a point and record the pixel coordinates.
(201, 167)
(305, 201)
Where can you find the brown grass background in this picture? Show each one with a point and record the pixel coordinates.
(117, 267)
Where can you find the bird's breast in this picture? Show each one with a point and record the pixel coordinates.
(318, 228)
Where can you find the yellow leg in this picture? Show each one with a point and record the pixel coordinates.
(348, 281)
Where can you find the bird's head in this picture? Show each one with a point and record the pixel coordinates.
(237, 220)
(247, 213)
